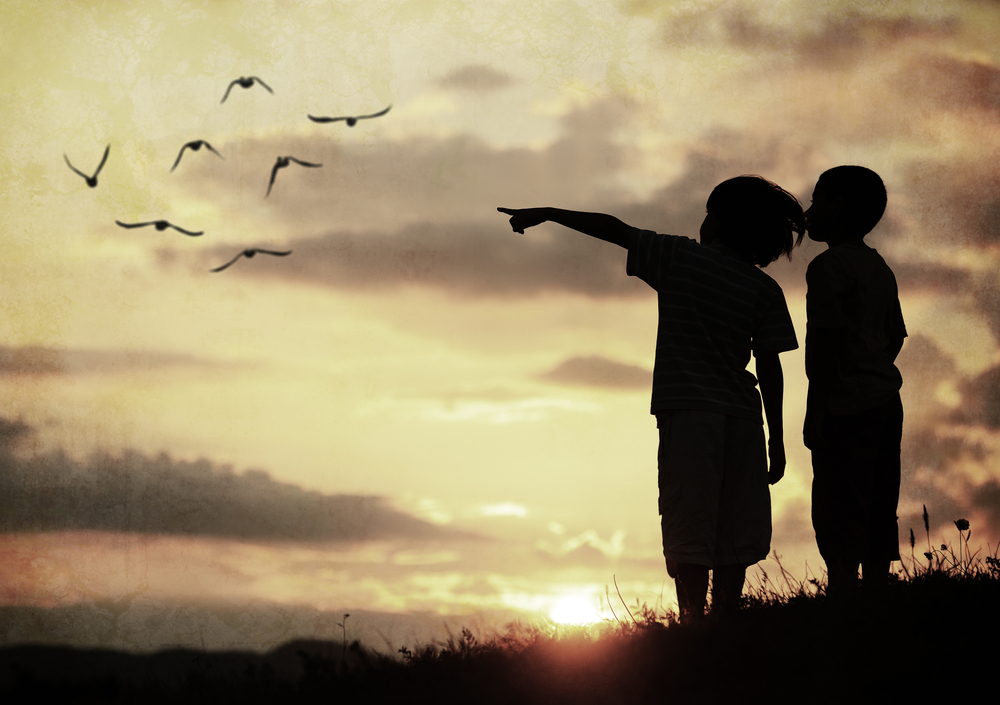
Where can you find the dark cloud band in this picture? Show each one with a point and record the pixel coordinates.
(38, 360)
(468, 259)
(138, 494)
(597, 371)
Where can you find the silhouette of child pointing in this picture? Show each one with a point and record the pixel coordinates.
(716, 308)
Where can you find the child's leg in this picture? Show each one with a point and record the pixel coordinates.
(841, 576)
(743, 534)
(727, 587)
(875, 575)
(690, 469)
(841, 497)
(692, 591)
(883, 538)
(689, 478)
(855, 496)
(744, 518)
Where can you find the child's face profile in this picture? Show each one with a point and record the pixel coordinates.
(821, 215)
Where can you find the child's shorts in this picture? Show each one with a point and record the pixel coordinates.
(855, 488)
(715, 504)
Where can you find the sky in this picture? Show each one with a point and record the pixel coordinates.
(420, 418)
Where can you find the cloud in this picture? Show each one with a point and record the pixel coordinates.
(31, 360)
(527, 410)
(38, 360)
(949, 464)
(831, 41)
(953, 198)
(597, 371)
(951, 439)
(851, 37)
(475, 78)
(981, 399)
(986, 498)
(11, 433)
(503, 509)
(929, 276)
(950, 469)
(385, 184)
(938, 451)
(137, 494)
(952, 84)
(955, 201)
(442, 231)
(925, 367)
(948, 452)
(464, 258)
(678, 208)
(719, 154)
(438, 244)
(585, 549)
(986, 295)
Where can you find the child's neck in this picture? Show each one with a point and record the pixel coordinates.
(724, 246)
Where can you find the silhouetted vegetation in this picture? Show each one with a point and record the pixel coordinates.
(928, 633)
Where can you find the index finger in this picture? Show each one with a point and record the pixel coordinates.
(508, 211)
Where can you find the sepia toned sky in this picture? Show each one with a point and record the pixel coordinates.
(418, 414)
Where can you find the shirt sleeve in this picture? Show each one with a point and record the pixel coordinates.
(775, 333)
(825, 288)
(649, 256)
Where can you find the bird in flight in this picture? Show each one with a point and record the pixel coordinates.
(194, 147)
(245, 82)
(160, 225)
(249, 253)
(281, 164)
(351, 120)
(91, 180)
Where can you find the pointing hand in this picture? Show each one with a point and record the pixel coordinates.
(521, 218)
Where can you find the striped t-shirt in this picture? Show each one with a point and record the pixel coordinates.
(714, 309)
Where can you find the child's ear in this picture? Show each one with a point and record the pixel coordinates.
(839, 210)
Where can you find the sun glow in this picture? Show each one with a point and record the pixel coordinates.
(574, 609)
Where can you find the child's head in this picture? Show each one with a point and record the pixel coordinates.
(756, 217)
(848, 202)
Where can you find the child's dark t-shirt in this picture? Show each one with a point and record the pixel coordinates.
(850, 287)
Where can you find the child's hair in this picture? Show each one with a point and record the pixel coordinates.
(757, 218)
(863, 195)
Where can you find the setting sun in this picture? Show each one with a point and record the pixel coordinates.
(574, 609)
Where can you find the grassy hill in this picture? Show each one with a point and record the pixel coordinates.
(930, 635)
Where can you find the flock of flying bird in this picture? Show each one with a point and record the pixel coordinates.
(195, 145)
